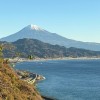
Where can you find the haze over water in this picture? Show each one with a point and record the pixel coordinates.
(67, 79)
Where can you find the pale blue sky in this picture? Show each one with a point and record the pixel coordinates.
(74, 19)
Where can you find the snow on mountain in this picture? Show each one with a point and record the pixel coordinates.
(35, 27)
(36, 32)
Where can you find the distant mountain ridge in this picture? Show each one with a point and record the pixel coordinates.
(35, 32)
(39, 49)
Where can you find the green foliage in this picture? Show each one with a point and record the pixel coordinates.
(1, 49)
(30, 57)
(1, 54)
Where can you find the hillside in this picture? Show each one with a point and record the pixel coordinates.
(35, 32)
(36, 48)
(12, 88)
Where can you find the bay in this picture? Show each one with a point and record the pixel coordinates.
(67, 79)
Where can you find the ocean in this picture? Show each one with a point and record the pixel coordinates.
(67, 79)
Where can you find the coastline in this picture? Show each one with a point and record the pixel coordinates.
(18, 60)
(48, 98)
(33, 79)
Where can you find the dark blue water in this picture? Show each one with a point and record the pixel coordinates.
(67, 79)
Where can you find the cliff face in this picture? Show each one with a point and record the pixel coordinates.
(12, 88)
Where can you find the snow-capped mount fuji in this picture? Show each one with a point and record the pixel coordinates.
(34, 27)
(30, 31)
(36, 32)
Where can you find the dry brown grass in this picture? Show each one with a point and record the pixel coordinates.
(12, 88)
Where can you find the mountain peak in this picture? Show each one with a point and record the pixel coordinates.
(35, 27)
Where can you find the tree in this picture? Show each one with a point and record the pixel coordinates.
(1, 54)
(30, 57)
